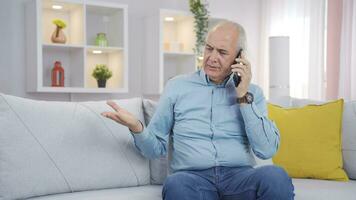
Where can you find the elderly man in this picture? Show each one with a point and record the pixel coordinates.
(215, 128)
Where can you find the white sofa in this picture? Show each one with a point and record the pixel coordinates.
(68, 151)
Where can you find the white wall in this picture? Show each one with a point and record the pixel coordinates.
(12, 45)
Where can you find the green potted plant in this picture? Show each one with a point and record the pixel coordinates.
(101, 73)
(201, 21)
(58, 35)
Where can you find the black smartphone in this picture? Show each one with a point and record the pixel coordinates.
(237, 78)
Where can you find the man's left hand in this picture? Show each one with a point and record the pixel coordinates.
(243, 68)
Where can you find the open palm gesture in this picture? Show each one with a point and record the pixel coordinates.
(123, 117)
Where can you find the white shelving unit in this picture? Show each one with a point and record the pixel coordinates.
(169, 48)
(84, 19)
(169, 43)
(177, 63)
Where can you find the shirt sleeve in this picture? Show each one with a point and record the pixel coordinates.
(152, 141)
(262, 133)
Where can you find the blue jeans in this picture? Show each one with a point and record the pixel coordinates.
(229, 183)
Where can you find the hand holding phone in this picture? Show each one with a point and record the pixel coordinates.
(236, 77)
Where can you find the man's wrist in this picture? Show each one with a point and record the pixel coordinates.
(137, 128)
(246, 99)
(241, 95)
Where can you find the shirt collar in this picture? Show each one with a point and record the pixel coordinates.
(228, 80)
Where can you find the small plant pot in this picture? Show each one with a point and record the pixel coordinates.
(101, 83)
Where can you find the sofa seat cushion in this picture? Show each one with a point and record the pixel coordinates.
(149, 192)
(307, 189)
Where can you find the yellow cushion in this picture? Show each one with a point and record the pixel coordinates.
(310, 140)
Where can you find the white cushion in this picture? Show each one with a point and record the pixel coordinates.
(148, 192)
(305, 189)
(309, 189)
(349, 138)
(56, 147)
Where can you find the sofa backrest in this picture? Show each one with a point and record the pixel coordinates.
(57, 147)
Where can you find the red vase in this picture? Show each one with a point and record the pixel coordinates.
(57, 75)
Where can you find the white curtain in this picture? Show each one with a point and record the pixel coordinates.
(304, 22)
(347, 79)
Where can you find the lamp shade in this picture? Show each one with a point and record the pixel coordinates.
(278, 67)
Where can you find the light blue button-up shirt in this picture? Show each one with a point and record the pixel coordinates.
(208, 127)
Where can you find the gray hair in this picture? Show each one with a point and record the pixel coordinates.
(242, 40)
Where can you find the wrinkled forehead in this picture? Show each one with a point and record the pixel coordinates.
(223, 37)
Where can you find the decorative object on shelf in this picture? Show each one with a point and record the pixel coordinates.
(101, 73)
(201, 21)
(101, 40)
(57, 75)
(166, 46)
(58, 35)
(173, 46)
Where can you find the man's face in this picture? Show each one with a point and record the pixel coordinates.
(220, 52)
